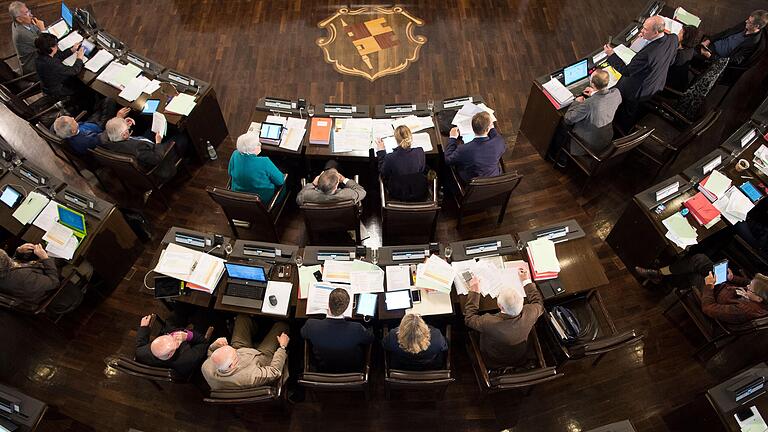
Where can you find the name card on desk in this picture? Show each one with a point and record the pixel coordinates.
(667, 191)
(748, 138)
(711, 165)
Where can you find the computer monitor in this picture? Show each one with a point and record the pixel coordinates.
(575, 72)
(66, 14)
(247, 272)
(72, 220)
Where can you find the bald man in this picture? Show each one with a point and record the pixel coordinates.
(178, 349)
(240, 365)
(646, 74)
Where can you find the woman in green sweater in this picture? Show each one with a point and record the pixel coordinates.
(253, 173)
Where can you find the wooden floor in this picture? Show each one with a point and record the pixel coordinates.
(249, 49)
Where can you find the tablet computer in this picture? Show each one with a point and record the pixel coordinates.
(366, 304)
(398, 300)
(721, 272)
(151, 106)
(10, 196)
(168, 287)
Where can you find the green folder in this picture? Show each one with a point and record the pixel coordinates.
(686, 17)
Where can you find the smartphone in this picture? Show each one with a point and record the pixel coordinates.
(416, 296)
(318, 275)
(744, 414)
(467, 276)
(721, 272)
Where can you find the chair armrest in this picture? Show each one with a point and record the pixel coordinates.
(278, 192)
(679, 117)
(578, 141)
(458, 181)
(81, 115)
(168, 151)
(8, 57)
(450, 346)
(208, 334)
(434, 190)
(672, 91)
(381, 192)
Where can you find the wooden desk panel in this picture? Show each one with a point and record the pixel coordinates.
(540, 120)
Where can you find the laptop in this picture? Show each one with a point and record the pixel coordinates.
(63, 26)
(246, 285)
(72, 220)
(576, 77)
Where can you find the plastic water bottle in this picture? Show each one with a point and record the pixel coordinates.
(211, 151)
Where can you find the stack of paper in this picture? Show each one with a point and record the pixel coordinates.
(159, 123)
(613, 76)
(435, 274)
(59, 29)
(463, 119)
(134, 88)
(281, 291)
(673, 26)
(307, 277)
(490, 276)
(119, 75)
(625, 54)
(562, 96)
(342, 271)
(317, 299)
(680, 231)
(420, 140)
(351, 134)
(544, 263)
(99, 60)
(414, 123)
(702, 210)
(71, 40)
(204, 272)
(761, 159)
(152, 86)
(714, 185)
(686, 17)
(398, 277)
(382, 128)
(295, 129)
(511, 276)
(734, 205)
(61, 241)
(32, 205)
(370, 280)
(70, 61)
(47, 217)
(181, 104)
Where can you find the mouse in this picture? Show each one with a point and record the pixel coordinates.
(273, 300)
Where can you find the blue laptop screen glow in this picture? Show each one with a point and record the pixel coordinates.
(575, 72)
(237, 271)
(66, 14)
(72, 219)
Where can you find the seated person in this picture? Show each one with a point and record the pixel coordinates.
(504, 335)
(327, 187)
(479, 157)
(253, 173)
(677, 76)
(84, 135)
(148, 153)
(178, 349)
(415, 345)
(402, 171)
(31, 275)
(337, 344)
(59, 80)
(24, 30)
(592, 118)
(738, 43)
(735, 301)
(240, 365)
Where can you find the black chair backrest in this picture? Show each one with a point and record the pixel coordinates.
(16, 104)
(324, 222)
(483, 189)
(246, 211)
(125, 168)
(409, 223)
(627, 143)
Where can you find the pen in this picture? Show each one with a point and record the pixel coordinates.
(747, 177)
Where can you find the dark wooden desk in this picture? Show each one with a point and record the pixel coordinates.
(261, 114)
(732, 144)
(722, 401)
(32, 410)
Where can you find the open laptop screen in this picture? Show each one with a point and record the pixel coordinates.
(247, 272)
(575, 72)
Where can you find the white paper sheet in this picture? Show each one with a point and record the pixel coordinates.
(398, 277)
(182, 104)
(282, 291)
(101, 58)
(367, 281)
(435, 274)
(317, 300)
(71, 40)
(47, 217)
(414, 123)
(307, 277)
(134, 88)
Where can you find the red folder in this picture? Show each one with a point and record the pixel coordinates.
(320, 131)
(701, 208)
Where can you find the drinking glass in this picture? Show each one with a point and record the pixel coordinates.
(430, 105)
(299, 261)
(311, 110)
(448, 251)
(374, 256)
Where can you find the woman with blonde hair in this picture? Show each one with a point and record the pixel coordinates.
(403, 170)
(415, 345)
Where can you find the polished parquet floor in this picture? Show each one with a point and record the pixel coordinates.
(249, 49)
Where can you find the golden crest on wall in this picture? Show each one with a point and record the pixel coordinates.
(371, 41)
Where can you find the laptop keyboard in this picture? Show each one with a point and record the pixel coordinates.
(245, 291)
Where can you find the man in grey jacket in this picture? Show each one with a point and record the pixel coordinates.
(25, 28)
(325, 188)
(592, 118)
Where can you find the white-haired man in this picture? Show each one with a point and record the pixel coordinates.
(25, 28)
(504, 335)
(148, 153)
(240, 365)
(178, 349)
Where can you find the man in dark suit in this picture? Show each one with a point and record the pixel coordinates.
(337, 344)
(739, 43)
(178, 349)
(646, 74)
(479, 157)
(148, 153)
(504, 335)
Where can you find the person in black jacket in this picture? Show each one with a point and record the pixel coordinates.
(739, 43)
(58, 80)
(337, 344)
(415, 345)
(403, 170)
(178, 349)
(677, 77)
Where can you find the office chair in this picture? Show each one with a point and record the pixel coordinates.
(437, 379)
(20, 84)
(275, 392)
(130, 366)
(593, 164)
(408, 222)
(63, 150)
(600, 334)
(43, 110)
(249, 217)
(667, 142)
(493, 381)
(327, 224)
(482, 192)
(14, 304)
(321, 381)
(132, 176)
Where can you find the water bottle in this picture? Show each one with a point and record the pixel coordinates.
(211, 151)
